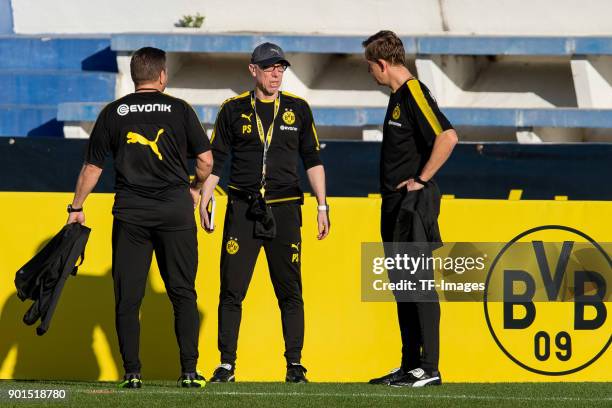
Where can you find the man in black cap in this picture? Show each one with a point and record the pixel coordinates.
(150, 135)
(265, 130)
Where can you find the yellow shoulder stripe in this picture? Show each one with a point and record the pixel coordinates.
(292, 95)
(242, 95)
(419, 97)
(214, 132)
(314, 132)
(233, 98)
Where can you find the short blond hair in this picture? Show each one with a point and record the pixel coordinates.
(385, 45)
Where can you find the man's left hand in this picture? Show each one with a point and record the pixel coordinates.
(410, 185)
(323, 221)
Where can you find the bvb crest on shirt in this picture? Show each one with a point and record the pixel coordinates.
(232, 246)
(289, 117)
(396, 112)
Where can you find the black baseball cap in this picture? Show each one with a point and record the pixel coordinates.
(267, 54)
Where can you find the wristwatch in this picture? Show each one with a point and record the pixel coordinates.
(71, 209)
(420, 181)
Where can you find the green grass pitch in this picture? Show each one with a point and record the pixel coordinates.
(314, 395)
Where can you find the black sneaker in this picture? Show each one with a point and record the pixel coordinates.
(192, 380)
(296, 373)
(224, 373)
(394, 375)
(418, 378)
(131, 381)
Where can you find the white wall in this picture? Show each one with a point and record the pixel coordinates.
(359, 17)
(107, 16)
(593, 81)
(524, 17)
(309, 17)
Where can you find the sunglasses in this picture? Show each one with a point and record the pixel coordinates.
(277, 67)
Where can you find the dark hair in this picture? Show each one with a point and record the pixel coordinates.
(385, 45)
(147, 64)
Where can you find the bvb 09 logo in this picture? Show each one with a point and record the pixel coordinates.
(396, 112)
(232, 246)
(289, 117)
(553, 319)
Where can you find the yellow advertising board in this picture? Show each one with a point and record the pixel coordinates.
(347, 339)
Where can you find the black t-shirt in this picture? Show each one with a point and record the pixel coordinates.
(150, 135)
(412, 122)
(294, 135)
(265, 111)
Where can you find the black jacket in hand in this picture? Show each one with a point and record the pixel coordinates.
(42, 278)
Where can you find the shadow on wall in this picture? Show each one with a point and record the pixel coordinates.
(52, 128)
(86, 312)
(103, 60)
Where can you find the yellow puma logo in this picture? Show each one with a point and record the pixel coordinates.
(295, 258)
(247, 117)
(133, 137)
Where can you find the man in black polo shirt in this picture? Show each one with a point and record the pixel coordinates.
(266, 131)
(150, 135)
(417, 140)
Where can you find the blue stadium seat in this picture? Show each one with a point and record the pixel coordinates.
(41, 53)
(355, 117)
(53, 87)
(38, 72)
(423, 45)
(25, 120)
(79, 74)
(237, 43)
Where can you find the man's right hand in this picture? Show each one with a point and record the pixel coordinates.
(323, 222)
(195, 195)
(205, 222)
(208, 190)
(76, 217)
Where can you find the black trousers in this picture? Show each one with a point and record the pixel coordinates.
(238, 256)
(402, 220)
(177, 257)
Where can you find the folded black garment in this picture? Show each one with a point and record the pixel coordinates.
(265, 224)
(43, 277)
